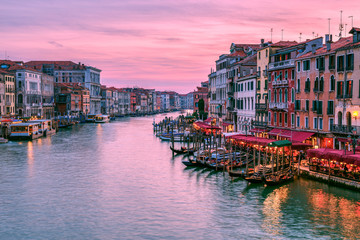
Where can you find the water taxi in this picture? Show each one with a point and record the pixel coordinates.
(102, 119)
(25, 131)
(46, 127)
(91, 117)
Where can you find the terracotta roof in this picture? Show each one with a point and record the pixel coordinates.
(58, 65)
(323, 50)
(13, 66)
(250, 60)
(246, 46)
(238, 53)
(284, 44)
(354, 29)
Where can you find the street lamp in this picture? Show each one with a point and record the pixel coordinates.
(352, 139)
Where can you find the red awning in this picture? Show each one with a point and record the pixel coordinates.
(275, 131)
(225, 124)
(258, 130)
(209, 119)
(343, 140)
(300, 146)
(300, 136)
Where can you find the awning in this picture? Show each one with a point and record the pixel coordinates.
(281, 143)
(300, 136)
(300, 146)
(275, 131)
(209, 119)
(258, 130)
(225, 124)
(343, 140)
(294, 136)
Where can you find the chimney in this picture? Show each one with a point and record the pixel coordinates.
(262, 42)
(313, 48)
(328, 41)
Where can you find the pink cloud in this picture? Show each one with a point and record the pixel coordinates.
(156, 43)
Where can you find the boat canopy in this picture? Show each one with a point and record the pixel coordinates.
(281, 143)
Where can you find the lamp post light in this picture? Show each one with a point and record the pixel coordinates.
(352, 139)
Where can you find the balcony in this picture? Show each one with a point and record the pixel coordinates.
(7, 103)
(265, 73)
(230, 94)
(259, 124)
(282, 64)
(345, 129)
(276, 105)
(260, 106)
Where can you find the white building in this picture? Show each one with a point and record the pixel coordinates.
(245, 102)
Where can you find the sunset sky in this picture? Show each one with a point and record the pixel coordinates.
(162, 44)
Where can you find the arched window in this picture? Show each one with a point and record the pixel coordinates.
(348, 120)
(316, 84)
(275, 95)
(269, 95)
(321, 87)
(332, 83)
(298, 86)
(280, 95)
(269, 117)
(285, 95)
(307, 85)
(19, 84)
(292, 95)
(340, 118)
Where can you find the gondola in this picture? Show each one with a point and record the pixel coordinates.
(190, 163)
(255, 178)
(182, 150)
(274, 180)
(241, 174)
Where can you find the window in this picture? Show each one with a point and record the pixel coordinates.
(320, 123)
(340, 63)
(307, 85)
(320, 107)
(348, 89)
(339, 90)
(266, 84)
(316, 84)
(331, 123)
(330, 108)
(331, 62)
(315, 123)
(332, 83)
(280, 95)
(269, 117)
(320, 63)
(275, 118)
(258, 85)
(21, 86)
(306, 65)
(286, 75)
(307, 103)
(293, 74)
(298, 66)
(297, 105)
(292, 95)
(280, 118)
(298, 86)
(314, 105)
(259, 55)
(266, 53)
(297, 121)
(269, 95)
(306, 122)
(350, 62)
(292, 119)
(285, 95)
(285, 118)
(321, 85)
(275, 95)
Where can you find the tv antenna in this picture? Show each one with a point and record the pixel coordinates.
(345, 29)
(271, 31)
(329, 24)
(300, 37)
(352, 21)
(341, 25)
(282, 34)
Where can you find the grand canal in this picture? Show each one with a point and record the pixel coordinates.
(118, 181)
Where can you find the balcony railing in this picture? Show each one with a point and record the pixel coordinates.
(260, 106)
(282, 64)
(346, 129)
(259, 123)
(278, 105)
(7, 103)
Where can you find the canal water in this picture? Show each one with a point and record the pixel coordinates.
(118, 181)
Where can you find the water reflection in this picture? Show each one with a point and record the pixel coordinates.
(272, 210)
(337, 212)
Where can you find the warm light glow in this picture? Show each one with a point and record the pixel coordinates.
(355, 113)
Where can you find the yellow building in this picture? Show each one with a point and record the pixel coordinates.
(9, 97)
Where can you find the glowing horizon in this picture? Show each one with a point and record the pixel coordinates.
(158, 44)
